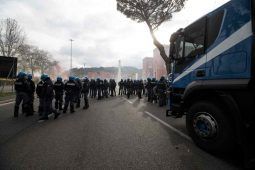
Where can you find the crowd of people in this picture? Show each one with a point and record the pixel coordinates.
(153, 89)
(69, 93)
(72, 90)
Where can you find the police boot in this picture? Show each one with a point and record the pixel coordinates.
(65, 108)
(40, 110)
(56, 105)
(78, 105)
(16, 111)
(23, 110)
(72, 109)
(60, 106)
(86, 106)
(29, 111)
(56, 114)
(32, 106)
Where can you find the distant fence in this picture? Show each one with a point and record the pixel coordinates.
(6, 85)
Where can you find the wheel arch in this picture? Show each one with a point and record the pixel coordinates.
(196, 91)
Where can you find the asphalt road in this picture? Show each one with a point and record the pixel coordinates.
(112, 134)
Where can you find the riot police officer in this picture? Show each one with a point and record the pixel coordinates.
(161, 90)
(47, 95)
(129, 87)
(125, 87)
(93, 88)
(99, 90)
(31, 92)
(70, 89)
(105, 88)
(154, 91)
(139, 88)
(85, 92)
(21, 88)
(39, 92)
(121, 87)
(149, 88)
(78, 92)
(112, 87)
(59, 91)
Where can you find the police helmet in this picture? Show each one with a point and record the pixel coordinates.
(44, 76)
(162, 78)
(71, 78)
(29, 76)
(21, 75)
(86, 79)
(59, 78)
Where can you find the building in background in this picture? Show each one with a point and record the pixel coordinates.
(102, 75)
(159, 67)
(147, 68)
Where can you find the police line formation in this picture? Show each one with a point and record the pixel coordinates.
(75, 88)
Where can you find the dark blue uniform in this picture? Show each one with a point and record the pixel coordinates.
(149, 87)
(22, 89)
(161, 90)
(78, 92)
(105, 88)
(99, 85)
(38, 92)
(47, 95)
(85, 92)
(31, 93)
(59, 92)
(139, 88)
(70, 89)
(121, 87)
(93, 88)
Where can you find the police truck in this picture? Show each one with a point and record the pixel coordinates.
(212, 78)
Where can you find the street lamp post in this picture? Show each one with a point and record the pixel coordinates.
(71, 62)
(84, 69)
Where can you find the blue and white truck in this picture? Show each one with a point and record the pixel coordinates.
(212, 78)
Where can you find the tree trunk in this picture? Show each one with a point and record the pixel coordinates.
(161, 49)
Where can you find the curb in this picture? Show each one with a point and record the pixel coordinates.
(6, 101)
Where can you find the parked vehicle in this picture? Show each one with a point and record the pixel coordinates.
(213, 78)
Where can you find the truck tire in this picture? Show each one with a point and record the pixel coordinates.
(210, 127)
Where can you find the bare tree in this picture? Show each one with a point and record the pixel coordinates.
(23, 57)
(11, 37)
(153, 13)
(52, 66)
(31, 58)
(43, 60)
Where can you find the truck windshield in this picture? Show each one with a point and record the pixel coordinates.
(192, 43)
(195, 39)
(178, 48)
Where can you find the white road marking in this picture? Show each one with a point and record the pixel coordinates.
(169, 126)
(164, 123)
(4, 104)
(127, 100)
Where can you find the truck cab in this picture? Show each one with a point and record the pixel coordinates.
(213, 66)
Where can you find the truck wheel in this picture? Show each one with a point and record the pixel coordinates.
(209, 127)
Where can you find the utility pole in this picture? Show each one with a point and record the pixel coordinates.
(119, 71)
(71, 62)
(84, 70)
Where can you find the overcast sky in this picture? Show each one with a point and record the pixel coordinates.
(101, 34)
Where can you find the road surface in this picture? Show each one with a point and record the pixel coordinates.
(115, 133)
